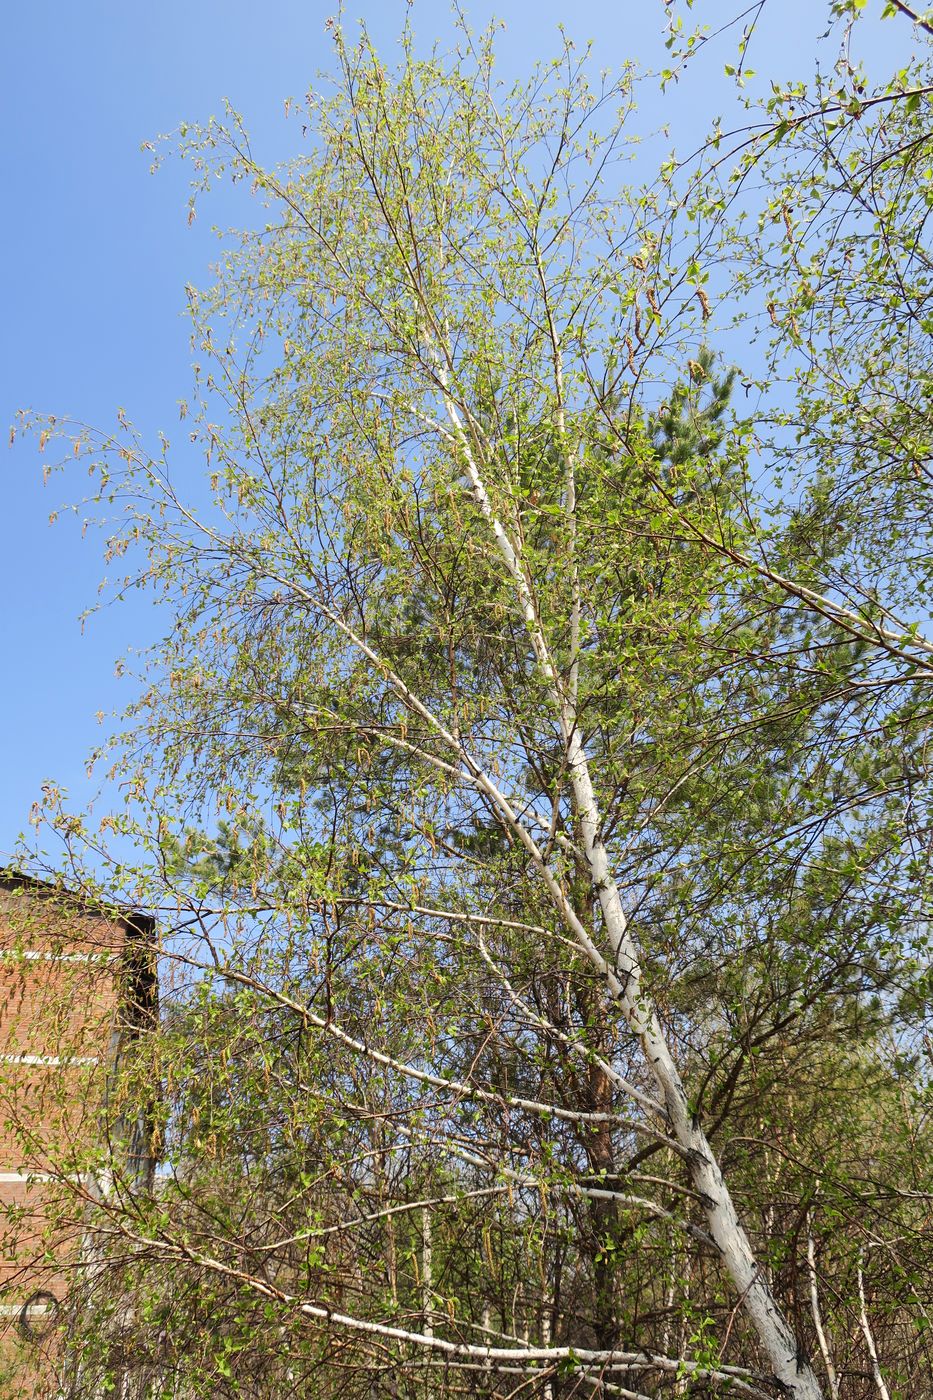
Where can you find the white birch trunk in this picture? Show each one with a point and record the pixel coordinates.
(623, 975)
(548, 1389)
(817, 1314)
(776, 1336)
(880, 1385)
(427, 1273)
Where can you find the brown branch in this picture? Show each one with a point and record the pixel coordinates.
(918, 20)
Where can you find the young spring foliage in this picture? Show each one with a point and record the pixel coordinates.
(536, 796)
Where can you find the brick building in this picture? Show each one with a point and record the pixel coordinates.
(76, 985)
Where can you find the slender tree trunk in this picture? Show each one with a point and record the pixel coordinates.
(427, 1273)
(547, 1392)
(880, 1384)
(788, 1363)
(623, 976)
(816, 1311)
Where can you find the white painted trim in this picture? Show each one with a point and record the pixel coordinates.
(31, 955)
(49, 1060)
(32, 1178)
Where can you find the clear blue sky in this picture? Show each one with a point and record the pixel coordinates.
(97, 252)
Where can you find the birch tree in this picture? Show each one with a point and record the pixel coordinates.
(500, 791)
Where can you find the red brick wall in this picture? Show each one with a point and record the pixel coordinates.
(62, 995)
